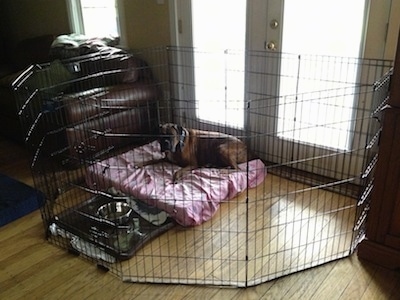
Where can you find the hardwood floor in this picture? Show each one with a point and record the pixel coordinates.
(32, 268)
(287, 230)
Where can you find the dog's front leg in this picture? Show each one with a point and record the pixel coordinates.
(178, 175)
(149, 162)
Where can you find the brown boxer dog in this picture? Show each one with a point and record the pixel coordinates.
(192, 148)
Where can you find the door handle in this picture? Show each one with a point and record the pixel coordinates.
(271, 46)
(274, 24)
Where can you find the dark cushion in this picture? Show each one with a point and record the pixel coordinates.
(81, 106)
(84, 142)
(17, 199)
(55, 77)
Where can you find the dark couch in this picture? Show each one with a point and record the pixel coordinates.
(13, 60)
(88, 104)
(122, 105)
(106, 90)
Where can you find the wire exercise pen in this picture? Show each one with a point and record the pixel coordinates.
(300, 203)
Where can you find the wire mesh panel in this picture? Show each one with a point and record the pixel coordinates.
(76, 112)
(254, 173)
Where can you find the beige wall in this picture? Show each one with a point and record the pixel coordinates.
(146, 23)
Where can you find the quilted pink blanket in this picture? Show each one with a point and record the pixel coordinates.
(191, 201)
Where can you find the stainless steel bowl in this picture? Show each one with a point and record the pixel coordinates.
(117, 211)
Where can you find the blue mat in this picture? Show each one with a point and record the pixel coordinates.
(17, 199)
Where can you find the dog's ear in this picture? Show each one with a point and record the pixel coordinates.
(162, 127)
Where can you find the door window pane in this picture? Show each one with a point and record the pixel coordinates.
(328, 28)
(219, 31)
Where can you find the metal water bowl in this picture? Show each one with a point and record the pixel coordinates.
(117, 212)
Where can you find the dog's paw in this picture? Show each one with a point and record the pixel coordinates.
(138, 166)
(178, 175)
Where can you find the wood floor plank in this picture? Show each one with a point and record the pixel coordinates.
(232, 293)
(103, 285)
(31, 221)
(363, 275)
(306, 281)
(23, 241)
(382, 285)
(115, 289)
(184, 292)
(280, 287)
(25, 259)
(54, 266)
(73, 284)
(341, 274)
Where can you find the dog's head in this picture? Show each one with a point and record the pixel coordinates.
(172, 137)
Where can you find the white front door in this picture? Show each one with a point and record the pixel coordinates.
(281, 34)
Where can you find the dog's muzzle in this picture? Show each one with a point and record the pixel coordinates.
(166, 145)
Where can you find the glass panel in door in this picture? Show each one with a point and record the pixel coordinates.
(219, 39)
(326, 28)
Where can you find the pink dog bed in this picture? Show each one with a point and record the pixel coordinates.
(191, 201)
